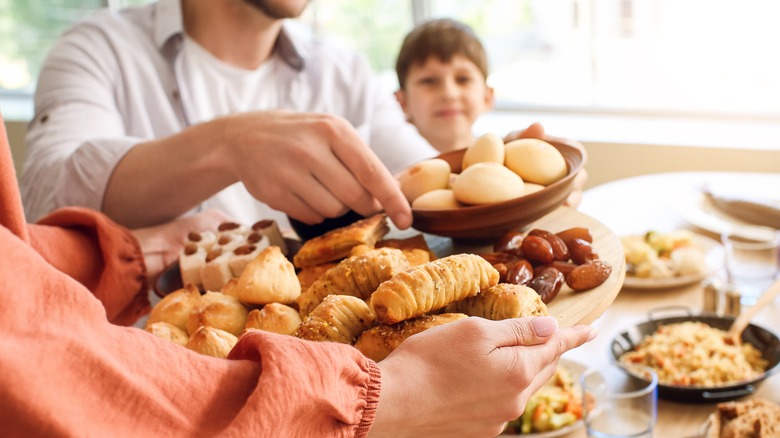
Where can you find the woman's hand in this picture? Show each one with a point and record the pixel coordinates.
(161, 244)
(470, 377)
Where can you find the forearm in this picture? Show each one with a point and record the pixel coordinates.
(159, 180)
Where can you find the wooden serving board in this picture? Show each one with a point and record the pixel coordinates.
(569, 307)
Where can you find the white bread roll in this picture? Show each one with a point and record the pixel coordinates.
(487, 183)
(269, 278)
(423, 177)
(274, 317)
(219, 311)
(535, 160)
(489, 148)
(441, 199)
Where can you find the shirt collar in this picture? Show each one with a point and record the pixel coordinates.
(169, 30)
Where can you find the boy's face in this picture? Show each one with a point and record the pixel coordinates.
(444, 99)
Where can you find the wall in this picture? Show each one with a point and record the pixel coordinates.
(16, 131)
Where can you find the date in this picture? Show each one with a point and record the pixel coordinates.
(537, 250)
(588, 275)
(547, 284)
(559, 248)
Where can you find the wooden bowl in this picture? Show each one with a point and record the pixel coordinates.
(486, 222)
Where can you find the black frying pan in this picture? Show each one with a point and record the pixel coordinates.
(764, 340)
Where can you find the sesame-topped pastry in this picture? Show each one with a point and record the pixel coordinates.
(337, 244)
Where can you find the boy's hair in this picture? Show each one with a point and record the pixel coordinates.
(442, 38)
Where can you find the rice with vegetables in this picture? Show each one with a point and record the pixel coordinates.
(694, 354)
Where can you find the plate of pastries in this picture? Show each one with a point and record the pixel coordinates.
(372, 287)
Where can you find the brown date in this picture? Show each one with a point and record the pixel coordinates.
(509, 243)
(575, 233)
(498, 257)
(588, 276)
(564, 267)
(502, 270)
(581, 251)
(547, 284)
(519, 272)
(560, 250)
(538, 250)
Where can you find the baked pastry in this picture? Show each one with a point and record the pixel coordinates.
(211, 342)
(307, 276)
(487, 183)
(423, 177)
(502, 301)
(535, 160)
(753, 418)
(168, 331)
(487, 148)
(411, 246)
(269, 278)
(339, 318)
(274, 317)
(242, 255)
(219, 311)
(270, 230)
(358, 276)
(431, 286)
(378, 342)
(337, 244)
(176, 307)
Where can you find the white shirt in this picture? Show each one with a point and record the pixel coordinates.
(120, 79)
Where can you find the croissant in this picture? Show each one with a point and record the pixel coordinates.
(358, 276)
(339, 318)
(430, 286)
(502, 301)
(378, 342)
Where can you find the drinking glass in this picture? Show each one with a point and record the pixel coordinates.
(618, 403)
(752, 264)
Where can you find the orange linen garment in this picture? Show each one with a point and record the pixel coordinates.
(66, 370)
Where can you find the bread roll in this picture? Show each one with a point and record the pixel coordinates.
(487, 183)
(219, 311)
(441, 199)
(431, 286)
(423, 177)
(532, 188)
(168, 331)
(269, 278)
(535, 160)
(212, 342)
(502, 301)
(176, 307)
(378, 342)
(274, 317)
(489, 148)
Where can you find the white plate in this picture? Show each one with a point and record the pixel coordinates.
(701, 212)
(713, 257)
(576, 370)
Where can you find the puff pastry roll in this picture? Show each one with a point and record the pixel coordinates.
(378, 342)
(337, 244)
(431, 286)
(339, 318)
(357, 276)
(502, 301)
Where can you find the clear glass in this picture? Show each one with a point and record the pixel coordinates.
(617, 403)
(753, 264)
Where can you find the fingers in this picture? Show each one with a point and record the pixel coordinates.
(373, 176)
(525, 331)
(534, 130)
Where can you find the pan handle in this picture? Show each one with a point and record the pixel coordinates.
(681, 309)
(736, 393)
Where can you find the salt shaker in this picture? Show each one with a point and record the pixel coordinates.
(712, 295)
(733, 302)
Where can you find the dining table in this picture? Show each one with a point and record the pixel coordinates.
(666, 202)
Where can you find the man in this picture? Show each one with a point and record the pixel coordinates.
(152, 112)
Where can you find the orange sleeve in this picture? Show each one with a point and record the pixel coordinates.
(109, 261)
(66, 371)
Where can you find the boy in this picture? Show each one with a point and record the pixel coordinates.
(442, 74)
